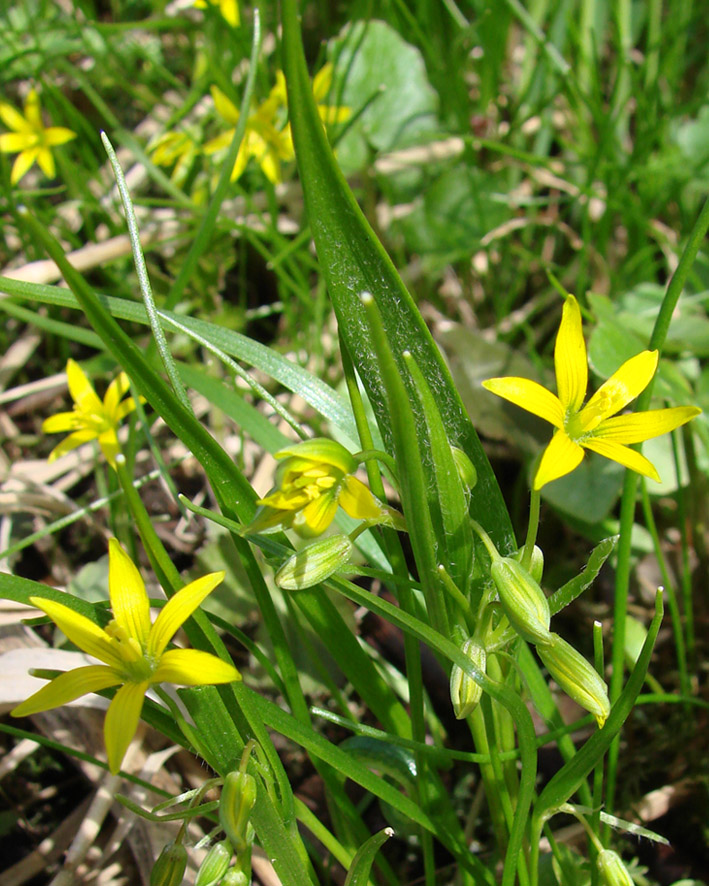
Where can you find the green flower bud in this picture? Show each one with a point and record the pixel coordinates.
(465, 692)
(237, 801)
(235, 878)
(536, 567)
(466, 469)
(314, 563)
(215, 864)
(612, 870)
(576, 677)
(169, 869)
(524, 602)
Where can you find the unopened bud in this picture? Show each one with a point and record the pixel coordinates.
(576, 677)
(237, 801)
(169, 869)
(466, 469)
(314, 563)
(215, 864)
(612, 870)
(524, 602)
(235, 878)
(536, 567)
(465, 692)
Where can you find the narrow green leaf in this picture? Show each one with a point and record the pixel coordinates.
(577, 585)
(358, 874)
(353, 261)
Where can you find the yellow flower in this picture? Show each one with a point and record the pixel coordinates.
(133, 651)
(591, 426)
(263, 140)
(91, 419)
(228, 8)
(30, 138)
(314, 478)
(174, 147)
(322, 84)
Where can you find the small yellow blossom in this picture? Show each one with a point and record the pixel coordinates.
(228, 8)
(133, 651)
(30, 139)
(91, 419)
(314, 478)
(263, 140)
(322, 84)
(594, 426)
(174, 147)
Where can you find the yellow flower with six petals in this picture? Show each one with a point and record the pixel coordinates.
(133, 650)
(314, 478)
(322, 84)
(594, 426)
(91, 419)
(30, 139)
(263, 140)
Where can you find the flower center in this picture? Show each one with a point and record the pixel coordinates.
(137, 667)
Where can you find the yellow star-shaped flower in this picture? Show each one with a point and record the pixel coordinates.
(263, 140)
(30, 138)
(322, 84)
(594, 426)
(314, 478)
(133, 650)
(91, 418)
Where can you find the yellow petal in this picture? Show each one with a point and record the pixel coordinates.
(12, 142)
(125, 408)
(242, 159)
(570, 360)
(66, 687)
(317, 516)
(108, 441)
(219, 143)
(178, 609)
(644, 425)
(332, 114)
(230, 10)
(629, 458)
(192, 667)
(271, 167)
(73, 441)
(62, 422)
(129, 601)
(320, 450)
(289, 500)
(33, 111)
(13, 119)
(530, 396)
(82, 393)
(122, 722)
(115, 392)
(22, 164)
(46, 162)
(80, 630)
(357, 500)
(322, 82)
(225, 106)
(560, 457)
(623, 386)
(58, 135)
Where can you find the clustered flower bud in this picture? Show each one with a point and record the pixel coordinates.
(612, 870)
(215, 864)
(465, 692)
(577, 677)
(237, 801)
(170, 867)
(315, 563)
(523, 600)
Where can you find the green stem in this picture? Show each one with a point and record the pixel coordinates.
(532, 529)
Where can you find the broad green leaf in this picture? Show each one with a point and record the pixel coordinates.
(353, 262)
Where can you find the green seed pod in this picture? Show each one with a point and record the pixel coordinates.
(237, 801)
(536, 567)
(314, 563)
(612, 870)
(465, 692)
(576, 677)
(466, 469)
(215, 864)
(524, 602)
(169, 869)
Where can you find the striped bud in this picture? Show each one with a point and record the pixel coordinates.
(237, 801)
(524, 602)
(215, 864)
(612, 870)
(169, 869)
(536, 567)
(314, 563)
(235, 878)
(576, 677)
(465, 692)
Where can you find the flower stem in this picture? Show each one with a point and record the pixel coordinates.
(532, 529)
